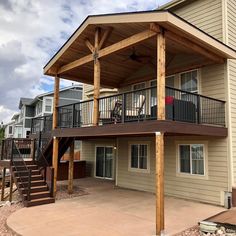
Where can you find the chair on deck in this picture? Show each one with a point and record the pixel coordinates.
(112, 115)
(136, 109)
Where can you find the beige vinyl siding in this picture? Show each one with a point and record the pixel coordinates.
(88, 153)
(231, 23)
(87, 88)
(205, 14)
(205, 190)
(134, 180)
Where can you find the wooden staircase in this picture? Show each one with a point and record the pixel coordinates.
(32, 187)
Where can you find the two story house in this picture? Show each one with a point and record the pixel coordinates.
(172, 120)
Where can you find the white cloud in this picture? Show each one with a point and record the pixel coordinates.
(32, 31)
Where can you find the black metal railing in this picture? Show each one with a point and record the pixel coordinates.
(45, 169)
(19, 164)
(75, 115)
(41, 124)
(141, 105)
(22, 144)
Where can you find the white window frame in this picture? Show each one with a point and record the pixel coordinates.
(44, 104)
(205, 159)
(9, 129)
(146, 171)
(198, 79)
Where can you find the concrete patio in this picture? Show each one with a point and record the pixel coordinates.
(107, 211)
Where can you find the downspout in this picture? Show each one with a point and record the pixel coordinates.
(228, 97)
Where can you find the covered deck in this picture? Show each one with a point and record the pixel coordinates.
(120, 50)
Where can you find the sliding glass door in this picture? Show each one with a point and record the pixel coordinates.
(104, 162)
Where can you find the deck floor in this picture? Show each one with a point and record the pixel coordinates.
(225, 218)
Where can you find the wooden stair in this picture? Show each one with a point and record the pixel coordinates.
(39, 190)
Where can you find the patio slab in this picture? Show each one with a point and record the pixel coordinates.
(108, 211)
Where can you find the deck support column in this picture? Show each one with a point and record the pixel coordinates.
(159, 138)
(71, 167)
(54, 126)
(97, 75)
(11, 187)
(3, 183)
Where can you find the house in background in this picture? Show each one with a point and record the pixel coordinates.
(40, 106)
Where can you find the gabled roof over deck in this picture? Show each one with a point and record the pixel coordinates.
(74, 60)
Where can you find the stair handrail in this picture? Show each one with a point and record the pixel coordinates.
(25, 166)
(46, 166)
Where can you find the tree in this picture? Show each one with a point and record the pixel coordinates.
(2, 131)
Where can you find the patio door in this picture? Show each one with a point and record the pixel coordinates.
(104, 162)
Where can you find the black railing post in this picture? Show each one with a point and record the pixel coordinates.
(29, 185)
(44, 124)
(12, 150)
(123, 111)
(73, 116)
(198, 109)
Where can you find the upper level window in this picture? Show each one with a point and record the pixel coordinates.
(139, 157)
(48, 104)
(38, 108)
(10, 130)
(192, 159)
(189, 81)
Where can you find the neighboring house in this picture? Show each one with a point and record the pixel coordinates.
(9, 129)
(40, 106)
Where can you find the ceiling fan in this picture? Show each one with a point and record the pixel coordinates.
(134, 56)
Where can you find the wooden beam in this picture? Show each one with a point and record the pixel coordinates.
(55, 101)
(76, 63)
(54, 126)
(55, 163)
(159, 183)
(104, 38)
(11, 187)
(155, 27)
(71, 167)
(97, 75)
(161, 76)
(3, 183)
(89, 45)
(193, 46)
(121, 45)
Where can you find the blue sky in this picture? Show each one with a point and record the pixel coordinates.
(30, 34)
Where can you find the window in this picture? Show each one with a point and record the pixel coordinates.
(189, 81)
(139, 157)
(48, 104)
(38, 108)
(191, 159)
(10, 130)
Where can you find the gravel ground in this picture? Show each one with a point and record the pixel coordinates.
(194, 231)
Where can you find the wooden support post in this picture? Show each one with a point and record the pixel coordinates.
(54, 126)
(71, 168)
(32, 149)
(11, 187)
(97, 74)
(160, 136)
(161, 76)
(159, 183)
(3, 183)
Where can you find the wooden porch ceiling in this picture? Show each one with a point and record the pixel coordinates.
(144, 128)
(184, 50)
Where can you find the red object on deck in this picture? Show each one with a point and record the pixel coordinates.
(169, 100)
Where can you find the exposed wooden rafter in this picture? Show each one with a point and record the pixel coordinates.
(104, 38)
(89, 45)
(121, 45)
